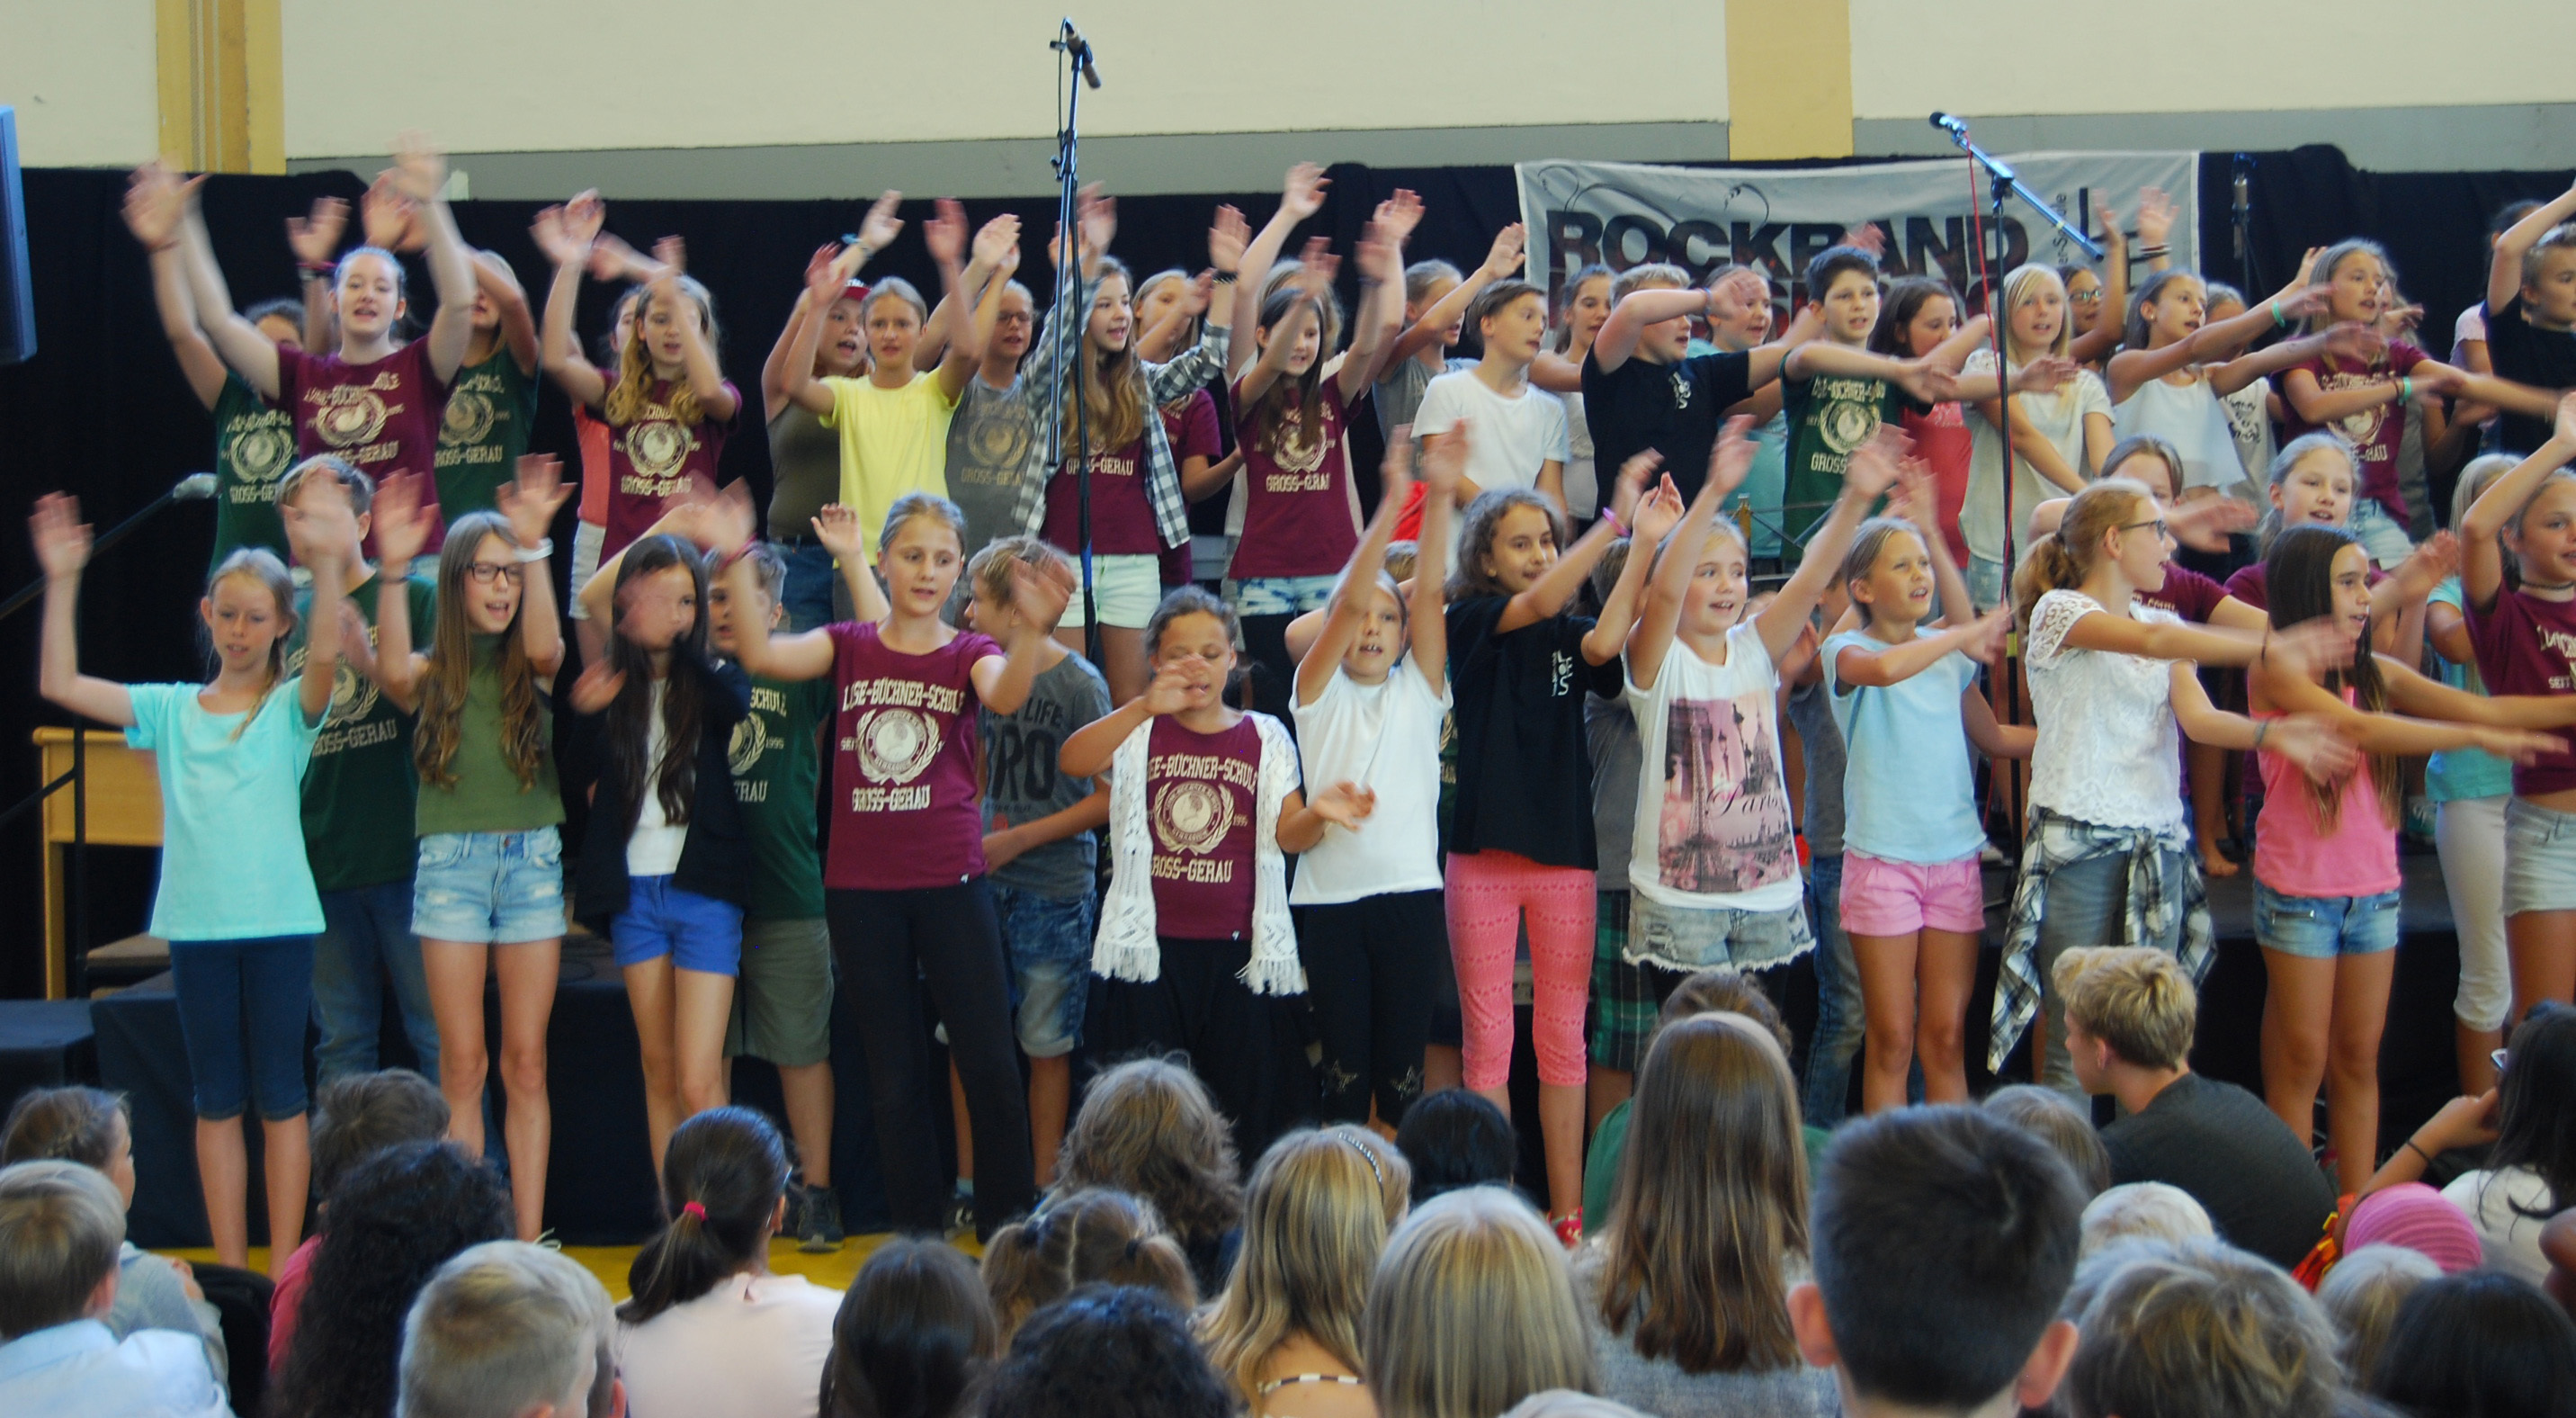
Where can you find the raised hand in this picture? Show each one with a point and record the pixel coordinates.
(321, 527)
(2351, 344)
(1040, 596)
(837, 528)
(532, 500)
(2115, 237)
(2045, 375)
(1658, 512)
(1739, 291)
(597, 688)
(997, 243)
(1344, 804)
(1316, 268)
(1228, 235)
(1504, 257)
(155, 204)
(1199, 294)
(945, 232)
(1732, 456)
(2155, 216)
(1986, 647)
(2310, 648)
(879, 228)
(315, 239)
(2520, 745)
(2426, 567)
(1302, 194)
(1631, 482)
(1398, 215)
(1868, 236)
(357, 640)
(386, 214)
(726, 520)
(1096, 217)
(2564, 429)
(62, 538)
(1874, 466)
(1927, 382)
(818, 265)
(419, 172)
(1378, 255)
(401, 528)
(1444, 461)
(553, 236)
(2203, 523)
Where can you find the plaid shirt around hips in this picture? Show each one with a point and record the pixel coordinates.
(2155, 904)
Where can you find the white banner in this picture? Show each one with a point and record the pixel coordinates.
(1777, 219)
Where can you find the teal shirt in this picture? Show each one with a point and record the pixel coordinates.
(2459, 773)
(232, 814)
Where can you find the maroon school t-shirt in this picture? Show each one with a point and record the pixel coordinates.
(906, 812)
(1301, 517)
(1200, 794)
(2527, 645)
(2189, 594)
(1191, 429)
(656, 462)
(2375, 431)
(1122, 520)
(2252, 585)
(382, 416)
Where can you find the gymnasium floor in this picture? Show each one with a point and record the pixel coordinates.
(610, 1263)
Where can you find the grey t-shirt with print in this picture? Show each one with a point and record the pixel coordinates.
(1022, 783)
(988, 449)
(1813, 717)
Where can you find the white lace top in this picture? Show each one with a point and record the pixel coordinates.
(2109, 751)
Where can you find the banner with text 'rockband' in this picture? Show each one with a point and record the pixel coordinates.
(1777, 219)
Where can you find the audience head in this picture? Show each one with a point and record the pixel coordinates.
(2416, 1217)
(1149, 1127)
(1108, 1352)
(2477, 1345)
(914, 1332)
(2361, 1295)
(1315, 1218)
(1710, 1214)
(85, 1125)
(2536, 1100)
(1455, 1138)
(2201, 1330)
(1097, 1236)
(2125, 1004)
(394, 1219)
(724, 1191)
(2143, 1211)
(61, 1225)
(506, 1330)
(2046, 1114)
(1944, 1239)
(361, 1114)
(1471, 1310)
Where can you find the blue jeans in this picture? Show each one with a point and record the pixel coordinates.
(1840, 1029)
(810, 579)
(242, 1009)
(2087, 905)
(365, 945)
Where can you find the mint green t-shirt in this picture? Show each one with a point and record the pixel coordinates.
(2460, 773)
(232, 828)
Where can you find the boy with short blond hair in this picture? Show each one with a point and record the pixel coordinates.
(61, 1228)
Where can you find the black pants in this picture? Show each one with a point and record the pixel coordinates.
(888, 944)
(1269, 669)
(1199, 1007)
(1372, 967)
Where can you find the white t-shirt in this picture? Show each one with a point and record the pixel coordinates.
(752, 1347)
(2472, 325)
(1713, 825)
(1387, 737)
(2189, 417)
(653, 849)
(2108, 750)
(2059, 417)
(1582, 485)
(2512, 1240)
(2249, 421)
(1508, 438)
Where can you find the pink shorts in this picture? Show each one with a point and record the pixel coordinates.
(1885, 898)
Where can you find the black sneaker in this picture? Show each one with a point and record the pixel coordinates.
(961, 1215)
(818, 1228)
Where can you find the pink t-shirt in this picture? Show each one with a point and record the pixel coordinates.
(2296, 856)
(2189, 594)
(1943, 441)
(1122, 520)
(2527, 645)
(382, 416)
(287, 1300)
(656, 462)
(1301, 517)
(1201, 792)
(906, 814)
(2376, 430)
(591, 432)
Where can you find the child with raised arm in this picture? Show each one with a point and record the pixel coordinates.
(2325, 857)
(374, 400)
(904, 885)
(484, 431)
(1583, 308)
(990, 434)
(1370, 695)
(1835, 393)
(489, 888)
(2471, 790)
(2524, 630)
(235, 899)
(1436, 299)
(1913, 896)
(2175, 369)
(254, 439)
(804, 456)
(2531, 312)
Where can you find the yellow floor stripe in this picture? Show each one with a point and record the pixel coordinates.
(611, 1263)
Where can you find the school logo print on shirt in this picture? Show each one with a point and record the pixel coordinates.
(260, 452)
(657, 447)
(1850, 420)
(742, 751)
(1724, 821)
(353, 704)
(468, 419)
(895, 745)
(1190, 817)
(349, 415)
(997, 443)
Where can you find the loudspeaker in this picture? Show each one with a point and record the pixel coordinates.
(17, 293)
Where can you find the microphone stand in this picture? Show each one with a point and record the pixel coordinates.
(1070, 333)
(187, 489)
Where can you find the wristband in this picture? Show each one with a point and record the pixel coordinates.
(2261, 728)
(544, 548)
(1616, 525)
(2410, 1146)
(2279, 321)
(2149, 253)
(2405, 389)
(1226, 278)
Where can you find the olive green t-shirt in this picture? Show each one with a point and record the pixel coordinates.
(254, 446)
(483, 432)
(358, 794)
(776, 775)
(486, 795)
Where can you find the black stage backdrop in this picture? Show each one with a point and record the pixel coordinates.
(103, 412)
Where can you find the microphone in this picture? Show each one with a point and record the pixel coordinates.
(1949, 124)
(1074, 44)
(2243, 202)
(195, 487)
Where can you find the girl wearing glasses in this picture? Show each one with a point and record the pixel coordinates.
(490, 884)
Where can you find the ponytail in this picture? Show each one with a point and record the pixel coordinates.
(722, 1176)
(1094, 1235)
(2061, 561)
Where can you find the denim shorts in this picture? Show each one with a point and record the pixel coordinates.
(782, 1000)
(811, 580)
(2379, 533)
(1047, 940)
(1127, 588)
(489, 888)
(698, 932)
(1280, 595)
(2539, 858)
(1985, 583)
(2323, 927)
(1696, 938)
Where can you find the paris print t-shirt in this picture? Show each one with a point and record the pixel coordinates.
(906, 814)
(1713, 829)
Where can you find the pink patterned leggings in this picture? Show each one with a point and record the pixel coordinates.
(1488, 893)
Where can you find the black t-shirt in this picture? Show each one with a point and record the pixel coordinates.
(1524, 772)
(1671, 408)
(2221, 1144)
(2521, 352)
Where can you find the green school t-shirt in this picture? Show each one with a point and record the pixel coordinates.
(359, 792)
(254, 446)
(483, 433)
(1829, 416)
(777, 774)
(486, 795)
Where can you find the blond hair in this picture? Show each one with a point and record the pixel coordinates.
(2362, 1294)
(2023, 284)
(1093, 1236)
(362, 489)
(1113, 408)
(501, 1328)
(1471, 1310)
(1314, 1221)
(988, 574)
(2131, 997)
(626, 401)
(60, 1226)
(2203, 1329)
(2061, 560)
(2143, 1211)
(1651, 275)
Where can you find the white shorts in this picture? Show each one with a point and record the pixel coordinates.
(1127, 588)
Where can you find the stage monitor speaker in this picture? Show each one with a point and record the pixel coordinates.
(17, 293)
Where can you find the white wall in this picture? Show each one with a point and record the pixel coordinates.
(82, 76)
